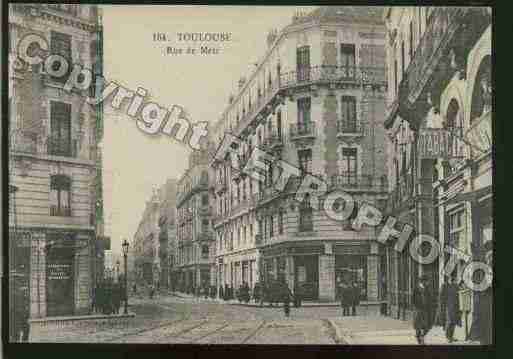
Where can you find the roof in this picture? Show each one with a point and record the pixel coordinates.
(360, 14)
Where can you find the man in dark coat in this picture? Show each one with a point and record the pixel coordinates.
(449, 313)
(355, 297)
(345, 297)
(286, 296)
(221, 292)
(423, 301)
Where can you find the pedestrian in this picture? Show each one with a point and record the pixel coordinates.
(256, 292)
(423, 309)
(221, 292)
(286, 296)
(152, 291)
(116, 297)
(94, 305)
(449, 314)
(355, 297)
(226, 292)
(345, 297)
(297, 295)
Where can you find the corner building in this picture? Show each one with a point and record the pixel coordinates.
(316, 101)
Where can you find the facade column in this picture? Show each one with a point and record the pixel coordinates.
(372, 273)
(326, 277)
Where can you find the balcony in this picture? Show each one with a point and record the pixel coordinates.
(273, 142)
(302, 131)
(334, 74)
(450, 34)
(24, 142)
(479, 135)
(345, 129)
(58, 146)
(363, 182)
(58, 211)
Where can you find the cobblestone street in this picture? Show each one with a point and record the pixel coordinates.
(180, 320)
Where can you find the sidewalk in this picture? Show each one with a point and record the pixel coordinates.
(382, 330)
(253, 304)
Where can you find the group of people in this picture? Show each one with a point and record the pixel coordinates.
(349, 296)
(427, 313)
(107, 297)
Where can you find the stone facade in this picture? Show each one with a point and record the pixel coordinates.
(55, 204)
(439, 196)
(316, 101)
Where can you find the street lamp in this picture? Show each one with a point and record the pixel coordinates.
(125, 253)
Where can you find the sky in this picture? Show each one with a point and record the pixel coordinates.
(134, 163)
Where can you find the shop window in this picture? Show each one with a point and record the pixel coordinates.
(60, 196)
(351, 269)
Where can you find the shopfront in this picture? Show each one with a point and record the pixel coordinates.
(60, 281)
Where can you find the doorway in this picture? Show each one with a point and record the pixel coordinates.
(306, 276)
(59, 281)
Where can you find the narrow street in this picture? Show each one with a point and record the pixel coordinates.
(179, 320)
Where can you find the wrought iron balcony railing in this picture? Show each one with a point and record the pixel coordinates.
(323, 73)
(60, 211)
(302, 130)
(58, 146)
(24, 142)
(348, 181)
(349, 128)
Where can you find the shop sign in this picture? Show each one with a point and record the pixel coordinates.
(437, 143)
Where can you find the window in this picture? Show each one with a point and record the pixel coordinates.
(348, 115)
(59, 143)
(60, 44)
(347, 60)
(251, 230)
(305, 215)
(457, 230)
(204, 199)
(278, 123)
(349, 165)
(305, 161)
(204, 251)
(303, 112)
(271, 226)
(280, 223)
(303, 63)
(60, 196)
